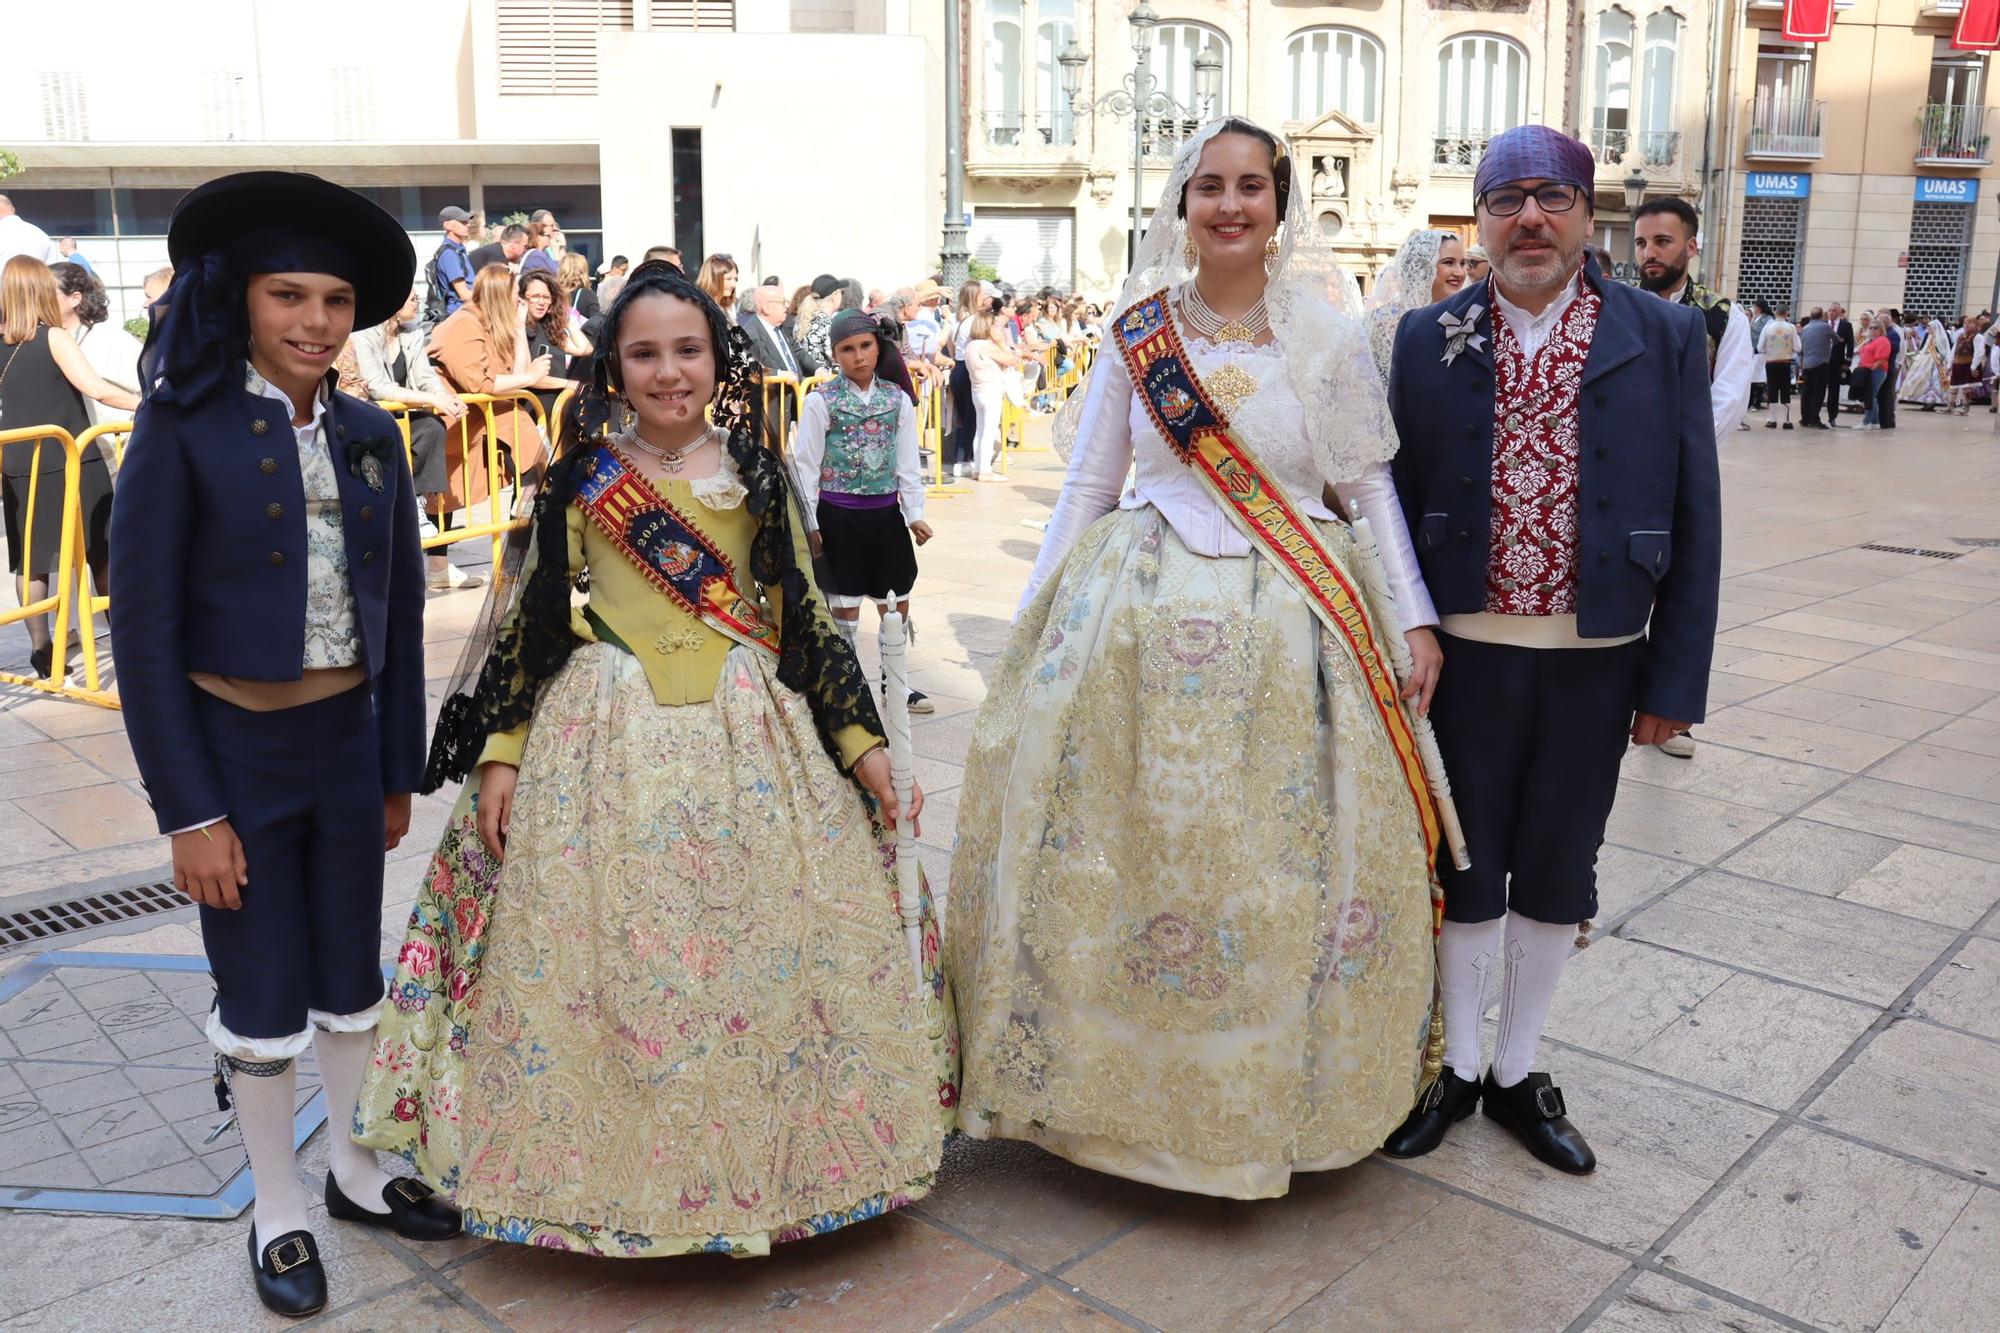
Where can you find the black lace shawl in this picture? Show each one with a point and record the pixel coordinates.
(533, 645)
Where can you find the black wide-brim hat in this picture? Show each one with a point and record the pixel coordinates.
(312, 216)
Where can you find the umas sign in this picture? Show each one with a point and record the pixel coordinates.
(1778, 185)
(1946, 190)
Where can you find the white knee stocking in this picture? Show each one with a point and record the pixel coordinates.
(1536, 952)
(265, 1103)
(1468, 955)
(343, 1059)
(850, 630)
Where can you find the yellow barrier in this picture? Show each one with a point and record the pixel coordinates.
(499, 523)
(930, 434)
(70, 564)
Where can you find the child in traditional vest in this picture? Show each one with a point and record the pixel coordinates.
(859, 480)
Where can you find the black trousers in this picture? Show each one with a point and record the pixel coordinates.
(1532, 739)
(1817, 379)
(427, 454)
(1778, 374)
(964, 416)
(1836, 388)
(1885, 398)
(304, 788)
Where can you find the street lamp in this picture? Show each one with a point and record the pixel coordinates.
(1140, 98)
(1635, 195)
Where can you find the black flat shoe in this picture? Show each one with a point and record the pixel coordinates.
(1449, 1100)
(416, 1211)
(290, 1278)
(1533, 1111)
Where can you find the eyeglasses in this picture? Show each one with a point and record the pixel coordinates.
(1507, 200)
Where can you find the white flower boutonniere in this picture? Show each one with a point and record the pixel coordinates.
(1461, 333)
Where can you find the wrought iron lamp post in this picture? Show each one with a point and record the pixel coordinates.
(953, 256)
(1635, 195)
(1141, 98)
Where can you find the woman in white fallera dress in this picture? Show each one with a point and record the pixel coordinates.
(1191, 941)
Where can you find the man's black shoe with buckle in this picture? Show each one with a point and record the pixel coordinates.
(1449, 1100)
(1533, 1110)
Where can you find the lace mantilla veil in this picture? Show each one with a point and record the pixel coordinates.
(1405, 287)
(1315, 311)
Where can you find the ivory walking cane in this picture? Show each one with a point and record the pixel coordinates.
(1376, 577)
(895, 641)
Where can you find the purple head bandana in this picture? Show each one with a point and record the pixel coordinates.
(1536, 152)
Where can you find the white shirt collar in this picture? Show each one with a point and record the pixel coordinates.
(1531, 330)
(263, 388)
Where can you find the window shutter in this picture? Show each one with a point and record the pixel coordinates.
(549, 47)
(63, 116)
(693, 15)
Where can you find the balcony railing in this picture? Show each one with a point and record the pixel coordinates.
(1947, 133)
(1455, 151)
(1657, 148)
(1017, 129)
(1786, 127)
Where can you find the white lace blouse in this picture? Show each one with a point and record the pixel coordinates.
(1116, 437)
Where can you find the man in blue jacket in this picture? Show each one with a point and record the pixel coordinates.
(1558, 470)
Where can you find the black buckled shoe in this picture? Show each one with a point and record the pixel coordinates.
(290, 1278)
(1449, 1100)
(416, 1211)
(1534, 1112)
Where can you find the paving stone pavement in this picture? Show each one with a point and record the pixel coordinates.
(1785, 1044)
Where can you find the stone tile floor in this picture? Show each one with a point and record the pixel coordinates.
(1785, 1045)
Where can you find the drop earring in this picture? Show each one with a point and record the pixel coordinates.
(1190, 254)
(1271, 253)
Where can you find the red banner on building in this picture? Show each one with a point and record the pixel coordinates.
(1978, 26)
(1808, 20)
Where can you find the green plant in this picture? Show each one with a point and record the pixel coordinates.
(980, 271)
(10, 164)
(138, 326)
(515, 219)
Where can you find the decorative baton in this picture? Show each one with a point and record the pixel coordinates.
(895, 641)
(1376, 576)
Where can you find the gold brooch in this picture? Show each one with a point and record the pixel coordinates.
(1229, 386)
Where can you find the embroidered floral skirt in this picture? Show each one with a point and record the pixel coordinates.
(1190, 933)
(1923, 379)
(682, 1016)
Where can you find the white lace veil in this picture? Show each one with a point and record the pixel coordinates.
(1315, 311)
(1404, 287)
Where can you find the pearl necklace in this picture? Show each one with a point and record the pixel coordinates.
(671, 460)
(1245, 328)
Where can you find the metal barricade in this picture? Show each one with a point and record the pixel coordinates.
(930, 434)
(499, 521)
(71, 563)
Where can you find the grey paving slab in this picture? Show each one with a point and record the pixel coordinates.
(1738, 777)
(1929, 819)
(1958, 1287)
(1793, 935)
(1823, 1230)
(1819, 858)
(1925, 1091)
(1681, 824)
(1656, 1304)
(1933, 885)
(1966, 991)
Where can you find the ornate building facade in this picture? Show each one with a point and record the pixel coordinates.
(1387, 108)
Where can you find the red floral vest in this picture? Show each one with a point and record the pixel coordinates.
(1536, 429)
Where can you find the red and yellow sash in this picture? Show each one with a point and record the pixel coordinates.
(1189, 420)
(672, 551)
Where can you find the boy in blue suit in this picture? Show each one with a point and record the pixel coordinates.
(269, 583)
(1558, 470)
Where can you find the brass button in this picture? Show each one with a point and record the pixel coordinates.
(274, 510)
(260, 427)
(367, 512)
(277, 558)
(268, 466)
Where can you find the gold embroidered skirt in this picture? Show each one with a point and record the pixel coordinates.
(1190, 933)
(682, 1015)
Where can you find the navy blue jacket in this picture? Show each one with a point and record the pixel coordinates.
(208, 573)
(1649, 506)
